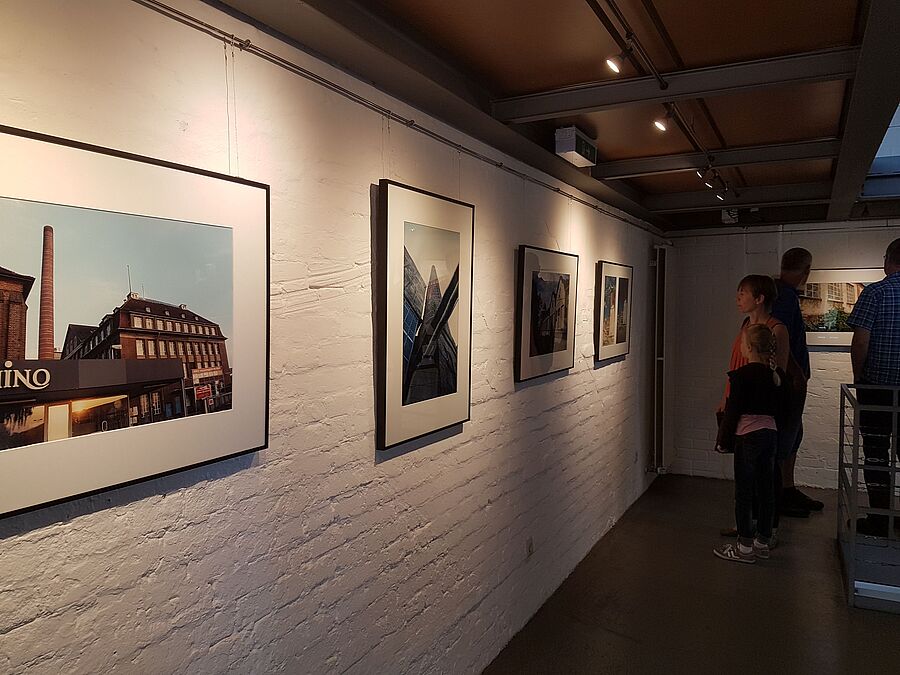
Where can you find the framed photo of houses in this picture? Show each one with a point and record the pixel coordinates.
(612, 311)
(424, 308)
(827, 300)
(134, 321)
(546, 292)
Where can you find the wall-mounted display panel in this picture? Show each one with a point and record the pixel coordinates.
(424, 307)
(546, 292)
(134, 320)
(828, 298)
(612, 311)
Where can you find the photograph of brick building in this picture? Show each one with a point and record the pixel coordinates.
(119, 363)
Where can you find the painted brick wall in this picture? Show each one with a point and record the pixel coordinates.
(311, 557)
(704, 321)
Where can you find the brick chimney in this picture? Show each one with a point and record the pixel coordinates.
(46, 348)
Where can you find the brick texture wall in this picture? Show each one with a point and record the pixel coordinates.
(704, 322)
(13, 314)
(310, 557)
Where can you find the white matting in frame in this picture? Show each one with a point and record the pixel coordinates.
(546, 305)
(612, 308)
(424, 299)
(827, 300)
(89, 184)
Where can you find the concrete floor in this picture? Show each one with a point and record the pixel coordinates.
(650, 597)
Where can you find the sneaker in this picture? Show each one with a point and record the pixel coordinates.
(761, 550)
(797, 498)
(735, 553)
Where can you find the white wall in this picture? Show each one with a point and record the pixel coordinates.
(311, 557)
(704, 322)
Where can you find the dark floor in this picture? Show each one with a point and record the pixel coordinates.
(650, 597)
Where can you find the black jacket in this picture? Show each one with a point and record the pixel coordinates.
(753, 392)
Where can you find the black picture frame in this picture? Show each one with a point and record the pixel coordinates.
(604, 269)
(99, 481)
(390, 411)
(525, 366)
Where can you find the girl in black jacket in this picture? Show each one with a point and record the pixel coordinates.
(756, 401)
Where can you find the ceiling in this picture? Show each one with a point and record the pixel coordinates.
(787, 101)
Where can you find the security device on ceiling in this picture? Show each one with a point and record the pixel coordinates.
(575, 147)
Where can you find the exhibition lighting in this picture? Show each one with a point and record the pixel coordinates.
(660, 124)
(614, 63)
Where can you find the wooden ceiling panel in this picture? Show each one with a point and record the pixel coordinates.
(514, 47)
(713, 32)
(779, 173)
(780, 114)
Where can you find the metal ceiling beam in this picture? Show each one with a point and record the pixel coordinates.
(873, 101)
(819, 66)
(769, 195)
(758, 154)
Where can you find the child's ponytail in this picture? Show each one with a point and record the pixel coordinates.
(764, 343)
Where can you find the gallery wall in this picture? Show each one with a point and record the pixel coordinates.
(312, 556)
(704, 321)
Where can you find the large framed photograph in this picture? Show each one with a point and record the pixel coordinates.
(827, 300)
(424, 307)
(545, 312)
(134, 318)
(612, 324)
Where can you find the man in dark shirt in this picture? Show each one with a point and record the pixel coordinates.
(875, 354)
(795, 266)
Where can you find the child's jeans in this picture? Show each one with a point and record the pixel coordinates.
(754, 471)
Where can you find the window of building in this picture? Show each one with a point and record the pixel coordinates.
(162, 349)
(137, 322)
(180, 349)
(145, 404)
(155, 403)
(147, 309)
(168, 326)
(171, 348)
(190, 349)
(834, 292)
(151, 348)
(177, 327)
(167, 313)
(139, 347)
(203, 348)
(159, 324)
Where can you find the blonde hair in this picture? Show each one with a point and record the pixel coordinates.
(762, 340)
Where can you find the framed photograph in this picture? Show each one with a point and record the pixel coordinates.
(827, 300)
(613, 293)
(545, 312)
(134, 322)
(424, 308)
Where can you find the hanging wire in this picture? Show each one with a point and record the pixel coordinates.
(247, 46)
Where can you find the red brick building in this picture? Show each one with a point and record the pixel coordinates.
(146, 329)
(14, 290)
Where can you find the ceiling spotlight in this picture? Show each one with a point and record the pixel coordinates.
(660, 123)
(614, 63)
(703, 174)
(720, 196)
(700, 173)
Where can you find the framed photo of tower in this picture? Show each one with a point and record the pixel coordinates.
(612, 310)
(545, 312)
(134, 324)
(424, 313)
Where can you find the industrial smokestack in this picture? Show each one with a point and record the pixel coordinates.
(46, 348)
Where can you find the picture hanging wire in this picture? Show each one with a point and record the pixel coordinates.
(247, 46)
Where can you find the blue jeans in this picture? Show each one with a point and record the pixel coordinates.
(754, 473)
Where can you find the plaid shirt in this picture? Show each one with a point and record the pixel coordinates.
(878, 311)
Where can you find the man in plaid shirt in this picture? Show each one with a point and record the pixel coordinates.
(875, 354)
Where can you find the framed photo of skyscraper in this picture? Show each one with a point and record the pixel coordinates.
(612, 310)
(424, 313)
(134, 324)
(545, 312)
